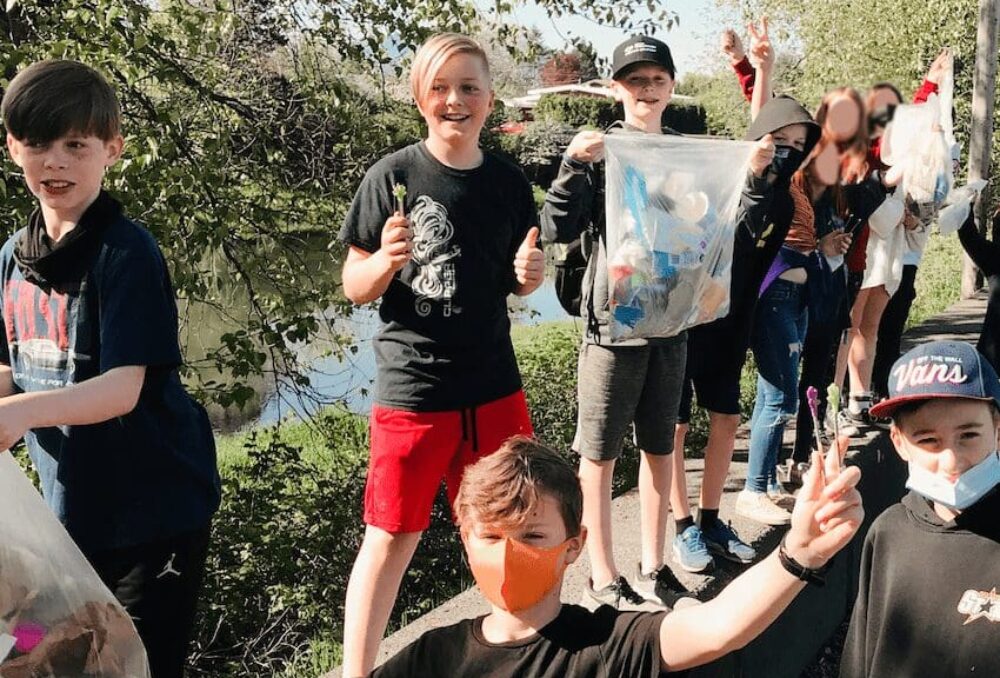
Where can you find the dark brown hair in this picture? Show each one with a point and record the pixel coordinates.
(504, 488)
(52, 98)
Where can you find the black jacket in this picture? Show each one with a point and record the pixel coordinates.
(986, 255)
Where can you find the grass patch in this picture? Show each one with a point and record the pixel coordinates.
(939, 278)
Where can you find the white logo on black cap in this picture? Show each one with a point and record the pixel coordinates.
(639, 47)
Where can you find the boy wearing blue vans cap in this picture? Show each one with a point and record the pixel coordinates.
(933, 560)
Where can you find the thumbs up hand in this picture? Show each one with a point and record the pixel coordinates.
(529, 264)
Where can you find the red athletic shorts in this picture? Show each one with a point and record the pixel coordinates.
(412, 451)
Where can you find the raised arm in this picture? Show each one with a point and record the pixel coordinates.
(569, 200)
(826, 516)
(985, 254)
(762, 57)
(732, 47)
(942, 64)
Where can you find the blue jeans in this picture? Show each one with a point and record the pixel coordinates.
(779, 330)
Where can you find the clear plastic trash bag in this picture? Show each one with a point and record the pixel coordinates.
(57, 619)
(671, 218)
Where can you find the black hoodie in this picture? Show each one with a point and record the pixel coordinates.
(763, 220)
(928, 601)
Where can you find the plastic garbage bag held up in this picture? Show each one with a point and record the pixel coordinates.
(671, 219)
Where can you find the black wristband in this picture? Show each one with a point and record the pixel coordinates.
(799, 571)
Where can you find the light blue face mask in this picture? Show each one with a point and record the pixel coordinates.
(972, 485)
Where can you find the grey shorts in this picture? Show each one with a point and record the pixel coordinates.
(622, 385)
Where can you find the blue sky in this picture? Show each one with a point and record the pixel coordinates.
(693, 43)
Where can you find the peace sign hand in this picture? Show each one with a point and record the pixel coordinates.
(761, 52)
(827, 512)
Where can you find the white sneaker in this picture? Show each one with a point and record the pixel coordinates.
(759, 507)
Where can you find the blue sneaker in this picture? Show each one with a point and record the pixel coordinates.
(690, 551)
(722, 541)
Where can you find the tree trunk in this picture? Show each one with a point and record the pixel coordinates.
(981, 137)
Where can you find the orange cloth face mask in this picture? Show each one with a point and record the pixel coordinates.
(513, 575)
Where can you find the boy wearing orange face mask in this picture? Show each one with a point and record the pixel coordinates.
(520, 515)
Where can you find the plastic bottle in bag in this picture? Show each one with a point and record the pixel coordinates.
(671, 206)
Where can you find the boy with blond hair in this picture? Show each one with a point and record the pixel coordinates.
(520, 512)
(441, 232)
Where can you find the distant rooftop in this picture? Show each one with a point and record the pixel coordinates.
(590, 88)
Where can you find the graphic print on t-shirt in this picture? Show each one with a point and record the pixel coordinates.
(37, 324)
(433, 254)
(980, 605)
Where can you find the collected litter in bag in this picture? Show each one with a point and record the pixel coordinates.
(671, 219)
(57, 619)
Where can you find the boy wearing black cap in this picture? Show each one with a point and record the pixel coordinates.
(635, 382)
(933, 560)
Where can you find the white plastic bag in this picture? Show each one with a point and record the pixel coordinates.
(671, 211)
(914, 147)
(960, 202)
(57, 619)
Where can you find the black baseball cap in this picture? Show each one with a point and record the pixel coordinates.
(940, 369)
(641, 49)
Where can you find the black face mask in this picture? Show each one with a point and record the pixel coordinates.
(787, 160)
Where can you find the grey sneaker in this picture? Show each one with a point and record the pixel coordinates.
(662, 588)
(793, 472)
(620, 595)
(690, 550)
(723, 541)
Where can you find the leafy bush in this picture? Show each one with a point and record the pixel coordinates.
(282, 545)
(538, 148)
(578, 110)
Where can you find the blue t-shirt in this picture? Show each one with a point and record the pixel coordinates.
(146, 475)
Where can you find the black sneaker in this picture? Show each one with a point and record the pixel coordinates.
(663, 588)
(620, 595)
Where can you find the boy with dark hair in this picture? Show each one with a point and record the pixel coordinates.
(927, 600)
(635, 383)
(519, 512)
(88, 363)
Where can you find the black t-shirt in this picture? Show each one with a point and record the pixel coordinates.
(445, 342)
(140, 477)
(578, 643)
